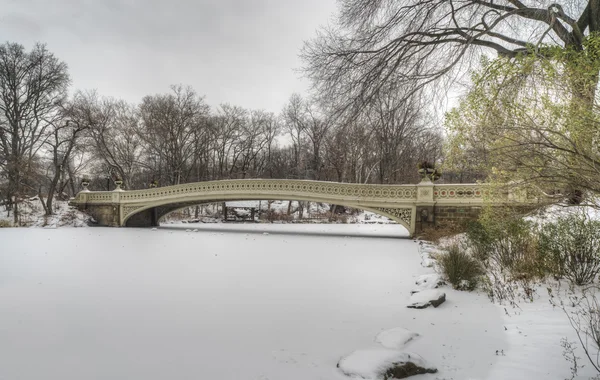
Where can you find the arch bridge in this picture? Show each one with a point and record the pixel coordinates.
(413, 206)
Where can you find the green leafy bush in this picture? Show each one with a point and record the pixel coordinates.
(460, 269)
(571, 247)
(508, 244)
(480, 240)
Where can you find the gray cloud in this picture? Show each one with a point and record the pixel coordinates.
(237, 51)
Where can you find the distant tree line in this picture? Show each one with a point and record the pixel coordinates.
(51, 137)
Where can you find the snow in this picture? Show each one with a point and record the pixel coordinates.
(429, 281)
(32, 215)
(395, 338)
(372, 363)
(534, 331)
(341, 230)
(227, 302)
(126, 303)
(425, 296)
(250, 204)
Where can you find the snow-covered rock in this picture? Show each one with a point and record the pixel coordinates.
(395, 338)
(428, 262)
(432, 251)
(378, 364)
(426, 298)
(427, 281)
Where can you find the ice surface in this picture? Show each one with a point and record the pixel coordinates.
(395, 338)
(133, 303)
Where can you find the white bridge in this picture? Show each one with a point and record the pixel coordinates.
(409, 205)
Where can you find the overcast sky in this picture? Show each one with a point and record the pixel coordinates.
(243, 52)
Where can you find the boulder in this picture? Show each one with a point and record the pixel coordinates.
(426, 298)
(376, 364)
(404, 370)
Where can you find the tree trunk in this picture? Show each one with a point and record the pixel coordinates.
(44, 204)
(51, 190)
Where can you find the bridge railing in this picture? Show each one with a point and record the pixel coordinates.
(279, 189)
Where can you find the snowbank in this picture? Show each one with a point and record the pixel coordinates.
(31, 214)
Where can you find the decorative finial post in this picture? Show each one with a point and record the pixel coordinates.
(118, 184)
(428, 172)
(85, 182)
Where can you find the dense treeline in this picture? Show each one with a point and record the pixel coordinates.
(52, 136)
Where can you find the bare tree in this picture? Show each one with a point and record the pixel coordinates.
(65, 130)
(416, 43)
(32, 85)
(169, 126)
(295, 122)
(113, 126)
(228, 125)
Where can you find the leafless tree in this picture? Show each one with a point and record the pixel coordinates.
(32, 85)
(65, 130)
(228, 125)
(416, 43)
(169, 126)
(113, 137)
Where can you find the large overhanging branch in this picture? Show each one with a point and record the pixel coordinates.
(419, 43)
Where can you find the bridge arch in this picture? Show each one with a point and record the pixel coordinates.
(151, 213)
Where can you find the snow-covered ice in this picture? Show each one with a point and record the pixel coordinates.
(126, 303)
(395, 338)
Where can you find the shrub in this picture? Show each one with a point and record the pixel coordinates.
(480, 240)
(506, 244)
(4, 223)
(571, 247)
(443, 231)
(460, 269)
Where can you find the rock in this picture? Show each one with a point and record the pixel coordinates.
(383, 364)
(426, 298)
(395, 338)
(427, 262)
(401, 371)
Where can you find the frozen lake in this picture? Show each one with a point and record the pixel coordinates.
(226, 302)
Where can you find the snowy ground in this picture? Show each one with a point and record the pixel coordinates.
(248, 302)
(32, 215)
